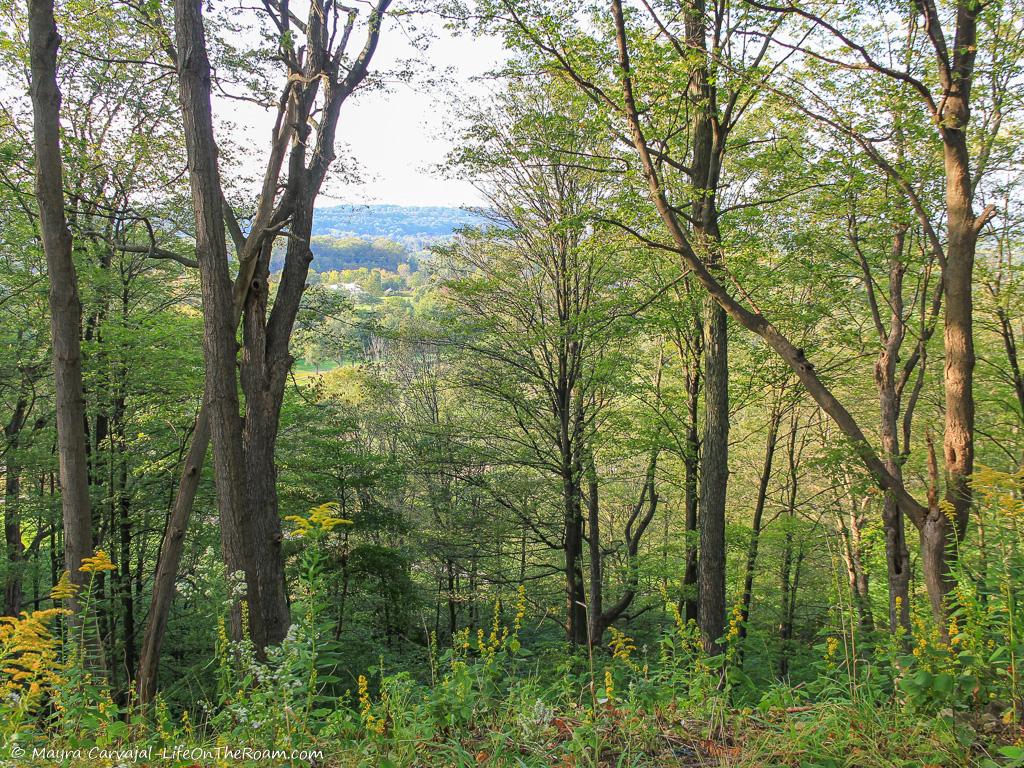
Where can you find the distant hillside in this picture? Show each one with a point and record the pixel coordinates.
(378, 236)
(414, 226)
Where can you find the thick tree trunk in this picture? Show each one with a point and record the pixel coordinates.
(219, 346)
(938, 531)
(264, 370)
(714, 477)
(708, 146)
(65, 306)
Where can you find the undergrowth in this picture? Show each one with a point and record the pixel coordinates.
(930, 698)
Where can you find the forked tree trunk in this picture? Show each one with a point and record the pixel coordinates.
(851, 534)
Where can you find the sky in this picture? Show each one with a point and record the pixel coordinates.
(396, 136)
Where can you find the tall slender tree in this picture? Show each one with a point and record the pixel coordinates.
(65, 305)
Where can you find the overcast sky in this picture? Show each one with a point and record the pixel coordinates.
(396, 136)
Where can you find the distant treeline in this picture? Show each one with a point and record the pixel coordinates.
(338, 253)
(397, 222)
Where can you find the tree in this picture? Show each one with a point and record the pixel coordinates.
(940, 76)
(65, 305)
(545, 320)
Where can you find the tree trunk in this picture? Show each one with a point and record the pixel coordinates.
(691, 462)
(264, 370)
(595, 606)
(65, 306)
(897, 558)
(12, 516)
(169, 558)
(125, 565)
(576, 608)
(714, 477)
(1010, 345)
(755, 534)
(853, 557)
(958, 436)
(219, 346)
(788, 586)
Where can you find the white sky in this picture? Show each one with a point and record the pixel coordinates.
(397, 135)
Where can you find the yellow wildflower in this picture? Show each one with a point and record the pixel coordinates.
(954, 631)
(622, 645)
(831, 647)
(320, 520)
(63, 589)
(364, 697)
(28, 655)
(97, 563)
(520, 608)
(734, 623)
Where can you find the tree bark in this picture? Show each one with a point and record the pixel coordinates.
(755, 534)
(714, 476)
(266, 359)
(219, 345)
(788, 601)
(851, 533)
(65, 306)
(708, 146)
(12, 516)
(691, 462)
(897, 557)
(939, 532)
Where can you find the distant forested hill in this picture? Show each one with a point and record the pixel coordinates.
(397, 222)
(378, 236)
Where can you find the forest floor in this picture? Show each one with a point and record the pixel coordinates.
(825, 736)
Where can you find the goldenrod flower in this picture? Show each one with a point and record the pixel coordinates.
(321, 519)
(831, 647)
(954, 631)
(622, 645)
(520, 608)
(63, 589)
(28, 655)
(98, 562)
